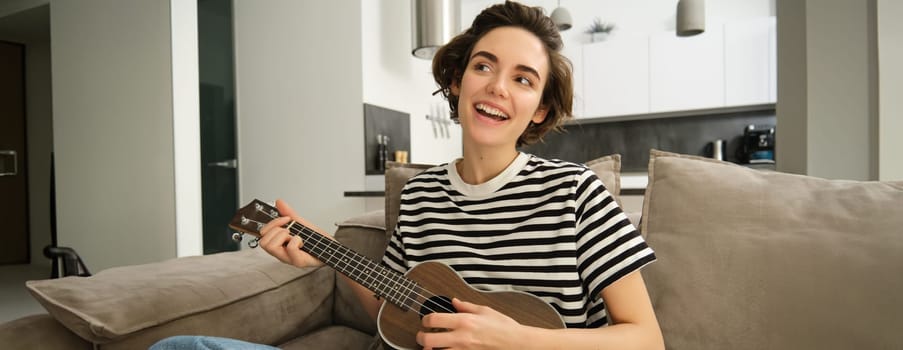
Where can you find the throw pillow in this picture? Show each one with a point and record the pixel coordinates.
(218, 294)
(608, 169)
(397, 175)
(751, 259)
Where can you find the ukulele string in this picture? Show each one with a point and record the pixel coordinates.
(316, 239)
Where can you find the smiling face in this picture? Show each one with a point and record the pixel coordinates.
(502, 88)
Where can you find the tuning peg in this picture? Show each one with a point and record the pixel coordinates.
(254, 243)
(237, 237)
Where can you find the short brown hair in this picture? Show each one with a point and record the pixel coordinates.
(451, 60)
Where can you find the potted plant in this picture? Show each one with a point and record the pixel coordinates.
(599, 30)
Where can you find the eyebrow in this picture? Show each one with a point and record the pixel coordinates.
(520, 67)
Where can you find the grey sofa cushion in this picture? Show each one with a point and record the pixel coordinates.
(752, 259)
(39, 332)
(219, 294)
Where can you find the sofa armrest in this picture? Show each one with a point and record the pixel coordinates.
(39, 332)
(245, 295)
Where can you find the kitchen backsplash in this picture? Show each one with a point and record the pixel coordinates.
(632, 139)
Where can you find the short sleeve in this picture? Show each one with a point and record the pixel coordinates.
(608, 245)
(394, 257)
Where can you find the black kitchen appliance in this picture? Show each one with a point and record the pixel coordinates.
(757, 145)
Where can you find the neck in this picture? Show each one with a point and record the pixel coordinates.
(480, 165)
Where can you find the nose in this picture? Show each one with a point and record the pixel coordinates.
(497, 86)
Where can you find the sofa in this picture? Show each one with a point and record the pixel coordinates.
(747, 259)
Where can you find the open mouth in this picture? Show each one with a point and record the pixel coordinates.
(491, 112)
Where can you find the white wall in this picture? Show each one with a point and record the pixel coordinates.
(186, 128)
(890, 86)
(299, 105)
(791, 146)
(835, 112)
(115, 138)
(838, 94)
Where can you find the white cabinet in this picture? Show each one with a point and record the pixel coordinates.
(749, 62)
(686, 72)
(616, 77)
(773, 61)
(726, 66)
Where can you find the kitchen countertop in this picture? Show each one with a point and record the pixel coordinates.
(634, 180)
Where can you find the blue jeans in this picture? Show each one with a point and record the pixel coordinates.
(192, 342)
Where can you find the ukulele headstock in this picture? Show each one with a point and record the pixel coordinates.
(251, 218)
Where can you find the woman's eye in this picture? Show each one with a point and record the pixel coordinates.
(481, 67)
(524, 81)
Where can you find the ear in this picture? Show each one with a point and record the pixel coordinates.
(540, 114)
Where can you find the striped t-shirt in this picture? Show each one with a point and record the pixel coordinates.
(546, 227)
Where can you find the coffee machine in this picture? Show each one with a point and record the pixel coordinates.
(757, 145)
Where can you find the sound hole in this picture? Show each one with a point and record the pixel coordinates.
(437, 304)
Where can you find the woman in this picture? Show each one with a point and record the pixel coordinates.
(508, 220)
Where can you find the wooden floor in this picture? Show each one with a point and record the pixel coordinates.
(15, 300)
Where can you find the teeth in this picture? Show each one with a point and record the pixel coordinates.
(491, 111)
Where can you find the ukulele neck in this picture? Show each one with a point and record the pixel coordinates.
(385, 282)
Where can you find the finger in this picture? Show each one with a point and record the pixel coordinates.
(293, 250)
(285, 209)
(274, 232)
(466, 307)
(440, 320)
(435, 340)
(274, 243)
(274, 224)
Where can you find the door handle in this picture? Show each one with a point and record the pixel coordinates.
(229, 164)
(9, 163)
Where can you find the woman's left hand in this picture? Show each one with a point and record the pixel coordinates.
(472, 327)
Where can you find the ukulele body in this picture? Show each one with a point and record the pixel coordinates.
(398, 328)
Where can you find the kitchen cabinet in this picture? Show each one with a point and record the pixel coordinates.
(686, 72)
(616, 77)
(733, 65)
(773, 61)
(749, 62)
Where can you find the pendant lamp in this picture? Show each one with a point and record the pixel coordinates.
(433, 23)
(690, 17)
(562, 18)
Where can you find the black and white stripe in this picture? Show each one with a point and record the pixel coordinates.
(546, 227)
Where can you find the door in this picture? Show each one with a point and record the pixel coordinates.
(14, 248)
(219, 178)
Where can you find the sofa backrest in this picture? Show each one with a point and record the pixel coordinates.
(751, 259)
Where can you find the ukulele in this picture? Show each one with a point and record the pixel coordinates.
(428, 287)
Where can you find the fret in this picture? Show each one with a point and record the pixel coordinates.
(385, 282)
(409, 294)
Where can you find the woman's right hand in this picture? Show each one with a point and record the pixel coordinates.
(278, 241)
